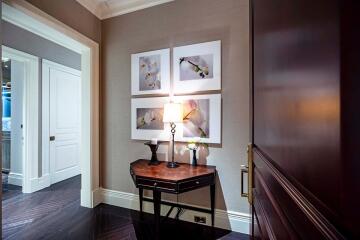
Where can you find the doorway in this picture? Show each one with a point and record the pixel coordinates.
(59, 87)
(26, 16)
(20, 118)
(12, 122)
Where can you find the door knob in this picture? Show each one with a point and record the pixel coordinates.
(52, 138)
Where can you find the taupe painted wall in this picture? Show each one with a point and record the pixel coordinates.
(25, 41)
(174, 24)
(72, 14)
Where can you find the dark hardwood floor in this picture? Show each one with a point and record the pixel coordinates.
(55, 213)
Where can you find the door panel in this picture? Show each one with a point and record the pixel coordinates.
(257, 229)
(291, 214)
(64, 124)
(297, 167)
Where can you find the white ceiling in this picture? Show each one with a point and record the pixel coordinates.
(110, 8)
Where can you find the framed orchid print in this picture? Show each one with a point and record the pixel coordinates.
(201, 118)
(197, 67)
(147, 119)
(150, 72)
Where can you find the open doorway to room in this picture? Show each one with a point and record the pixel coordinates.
(19, 70)
(12, 123)
(41, 129)
(59, 138)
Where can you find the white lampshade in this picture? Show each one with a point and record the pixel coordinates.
(173, 112)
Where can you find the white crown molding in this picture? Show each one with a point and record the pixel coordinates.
(94, 6)
(110, 8)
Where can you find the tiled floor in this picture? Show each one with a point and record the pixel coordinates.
(55, 213)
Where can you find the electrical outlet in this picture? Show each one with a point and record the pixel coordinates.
(199, 219)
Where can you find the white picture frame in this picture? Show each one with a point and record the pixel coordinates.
(213, 115)
(206, 56)
(138, 105)
(150, 72)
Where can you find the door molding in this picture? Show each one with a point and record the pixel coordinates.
(27, 16)
(323, 225)
(30, 114)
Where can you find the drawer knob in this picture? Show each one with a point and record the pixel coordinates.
(197, 182)
(155, 184)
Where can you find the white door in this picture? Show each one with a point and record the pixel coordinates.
(64, 121)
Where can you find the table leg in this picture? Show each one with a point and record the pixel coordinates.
(157, 205)
(141, 199)
(212, 199)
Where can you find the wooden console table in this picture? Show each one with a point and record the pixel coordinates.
(185, 178)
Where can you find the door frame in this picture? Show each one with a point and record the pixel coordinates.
(28, 17)
(30, 114)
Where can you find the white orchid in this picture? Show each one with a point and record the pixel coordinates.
(149, 117)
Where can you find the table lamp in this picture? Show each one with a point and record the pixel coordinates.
(173, 113)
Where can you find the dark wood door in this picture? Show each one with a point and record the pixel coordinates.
(305, 104)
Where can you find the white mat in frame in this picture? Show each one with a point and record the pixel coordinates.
(197, 67)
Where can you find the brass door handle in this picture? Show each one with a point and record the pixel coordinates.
(249, 170)
(243, 171)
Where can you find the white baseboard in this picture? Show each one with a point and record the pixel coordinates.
(37, 184)
(15, 179)
(97, 197)
(234, 221)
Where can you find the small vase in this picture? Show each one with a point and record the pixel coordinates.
(194, 160)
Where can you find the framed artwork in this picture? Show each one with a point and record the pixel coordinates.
(197, 67)
(202, 118)
(150, 72)
(147, 119)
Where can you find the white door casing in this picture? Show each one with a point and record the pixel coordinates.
(61, 120)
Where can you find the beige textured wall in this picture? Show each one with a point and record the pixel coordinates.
(72, 14)
(174, 24)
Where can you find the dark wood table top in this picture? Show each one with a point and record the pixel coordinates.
(141, 168)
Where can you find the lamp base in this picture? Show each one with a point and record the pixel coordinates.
(172, 165)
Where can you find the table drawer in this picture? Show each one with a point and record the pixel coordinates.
(196, 183)
(161, 185)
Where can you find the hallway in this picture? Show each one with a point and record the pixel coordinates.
(55, 213)
(22, 211)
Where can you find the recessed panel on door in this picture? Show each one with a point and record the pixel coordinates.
(64, 123)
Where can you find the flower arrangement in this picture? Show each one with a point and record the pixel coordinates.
(194, 145)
